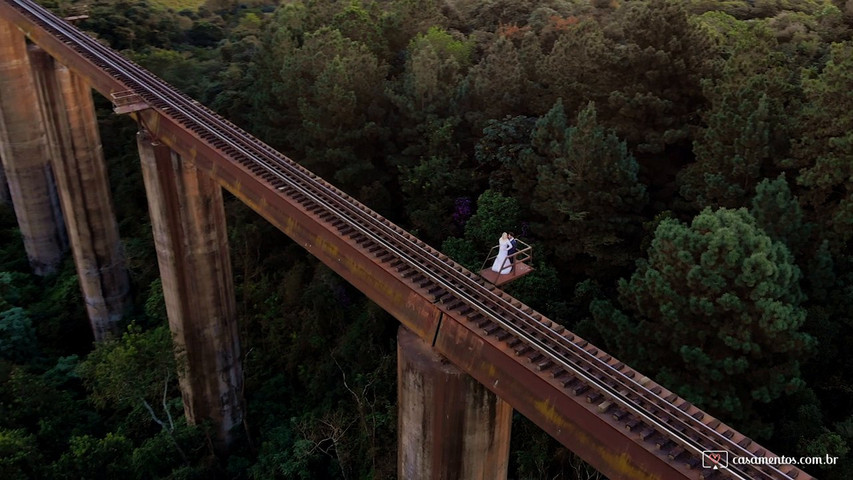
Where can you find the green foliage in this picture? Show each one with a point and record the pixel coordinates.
(126, 372)
(430, 189)
(155, 304)
(361, 23)
(777, 212)
(747, 122)
(664, 57)
(325, 95)
(495, 214)
(17, 336)
(502, 152)
(17, 289)
(92, 458)
(498, 82)
(126, 24)
(587, 189)
(462, 252)
(19, 455)
(443, 44)
(411, 105)
(13, 257)
(580, 67)
(45, 405)
(717, 313)
(825, 146)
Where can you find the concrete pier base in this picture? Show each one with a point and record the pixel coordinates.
(25, 155)
(188, 220)
(449, 426)
(84, 192)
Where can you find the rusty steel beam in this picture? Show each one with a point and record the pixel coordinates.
(575, 423)
(380, 282)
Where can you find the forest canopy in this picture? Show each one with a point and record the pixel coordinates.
(683, 169)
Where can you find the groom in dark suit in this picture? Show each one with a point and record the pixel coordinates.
(513, 247)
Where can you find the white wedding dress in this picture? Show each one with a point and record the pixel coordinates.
(501, 260)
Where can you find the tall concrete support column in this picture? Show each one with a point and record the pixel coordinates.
(188, 219)
(25, 155)
(5, 198)
(448, 425)
(84, 192)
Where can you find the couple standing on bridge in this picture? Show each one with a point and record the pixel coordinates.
(507, 246)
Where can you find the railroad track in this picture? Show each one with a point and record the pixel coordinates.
(677, 429)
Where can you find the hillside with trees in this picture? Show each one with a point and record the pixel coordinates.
(684, 170)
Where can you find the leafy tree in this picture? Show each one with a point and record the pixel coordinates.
(825, 146)
(20, 458)
(497, 82)
(405, 19)
(714, 314)
(661, 60)
(778, 213)
(46, 405)
(17, 336)
(580, 67)
(495, 214)
(746, 125)
(587, 189)
(136, 373)
(437, 63)
(361, 22)
(430, 189)
(325, 93)
(426, 96)
(93, 458)
(501, 154)
(128, 24)
(491, 14)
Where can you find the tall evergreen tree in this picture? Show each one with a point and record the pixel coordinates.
(326, 97)
(713, 313)
(587, 189)
(580, 67)
(824, 148)
(778, 213)
(746, 125)
(497, 83)
(661, 57)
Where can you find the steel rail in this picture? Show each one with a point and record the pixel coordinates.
(340, 201)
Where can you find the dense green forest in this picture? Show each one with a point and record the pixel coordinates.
(684, 170)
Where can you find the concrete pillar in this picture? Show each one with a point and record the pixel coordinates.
(188, 219)
(84, 192)
(5, 198)
(449, 425)
(24, 153)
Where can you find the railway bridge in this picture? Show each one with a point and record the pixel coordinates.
(468, 354)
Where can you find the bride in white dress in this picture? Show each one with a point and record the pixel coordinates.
(501, 264)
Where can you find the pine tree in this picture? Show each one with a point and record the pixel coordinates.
(824, 149)
(587, 189)
(746, 125)
(714, 313)
(497, 83)
(778, 213)
(659, 62)
(580, 67)
(324, 98)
